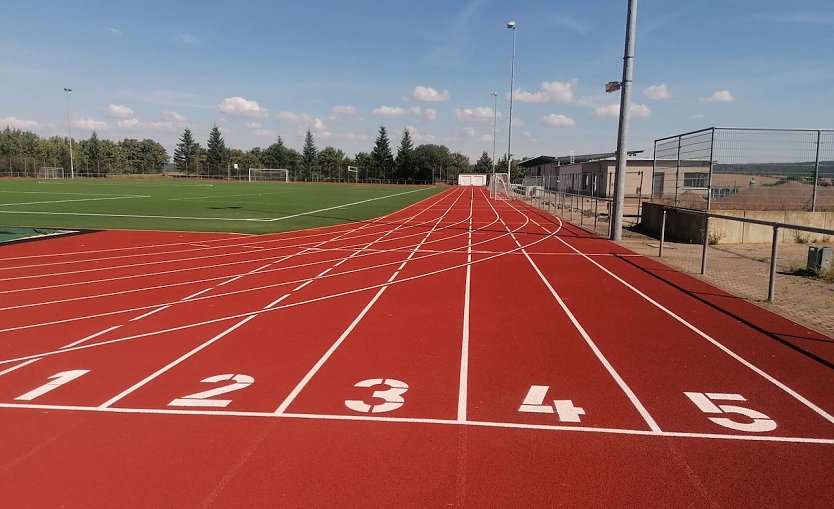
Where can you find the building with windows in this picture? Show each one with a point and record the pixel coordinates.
(589, 174)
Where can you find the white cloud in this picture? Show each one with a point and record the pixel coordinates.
(253, 125)
(136, 125)
(469, 131)
(354, 137)
(549, 92)
(429, 94)
(115, 32)
(289, 116)
(128, 123)
(89, 124)
(343, 110)
(18, 123)
(173, 116)
(479, 114)
(558, 120)
(657, 92)
(721, 96)
(187, 40)
(118, 111)
(265, 133)
(239, 107)
(518, 123)
(418, 137)
(613, 111)
(485, 138)
(396, 111)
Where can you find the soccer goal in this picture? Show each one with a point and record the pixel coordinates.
(50, 172)
(499, 186)
(269, 175)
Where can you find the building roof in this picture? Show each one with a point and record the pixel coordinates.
(562, 160)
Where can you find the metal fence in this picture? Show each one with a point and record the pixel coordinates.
(746, 169)
(588, 212)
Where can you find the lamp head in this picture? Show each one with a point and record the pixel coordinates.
(511, 25)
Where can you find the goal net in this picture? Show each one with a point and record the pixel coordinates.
(269, 175)
(49, 172)
(499, 186)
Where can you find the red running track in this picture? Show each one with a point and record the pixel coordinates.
(461, 352)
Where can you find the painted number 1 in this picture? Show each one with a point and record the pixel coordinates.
(564, 408)
(760, 423)
(57, 380)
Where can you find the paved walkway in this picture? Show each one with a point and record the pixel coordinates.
(742, 269)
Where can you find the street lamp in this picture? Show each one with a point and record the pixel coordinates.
(511, 26)
(494, 123)
(69, 132)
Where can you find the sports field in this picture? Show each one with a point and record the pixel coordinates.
(244, 207)
(459, 351)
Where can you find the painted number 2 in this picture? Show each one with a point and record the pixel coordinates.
(392, 397)
(564, 408)
(704, 401)
(201, 399)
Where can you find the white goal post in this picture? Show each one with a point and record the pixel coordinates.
(50, 172)
(269, 175)
(499, 186)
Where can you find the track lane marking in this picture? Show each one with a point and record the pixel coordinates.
(18, 366)
(463, 383)
(91, 336)
(635, 401)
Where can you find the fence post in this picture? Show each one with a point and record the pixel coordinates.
(816, 173)
(596, 213)
(774, 253)
(705, 242)
(662, 234)
(581, 210)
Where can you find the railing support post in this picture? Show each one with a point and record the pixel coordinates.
(662, 234)
(705, 243)
(774, 253)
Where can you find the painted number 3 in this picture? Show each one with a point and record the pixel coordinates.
(392, 397)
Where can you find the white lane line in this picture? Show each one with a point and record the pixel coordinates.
(463, 385)
(276, 301)
(315, 369)
(822, 413)
(427, 421)
(348, 204)
(149, 313)
(591, 344)
(171, 365)
(18, 366)
(68, 201)
(91, 336)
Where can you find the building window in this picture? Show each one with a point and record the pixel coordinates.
(696, 179)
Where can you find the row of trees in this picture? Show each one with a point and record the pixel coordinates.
(22, 152)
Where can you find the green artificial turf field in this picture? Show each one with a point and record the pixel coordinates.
(245, 207)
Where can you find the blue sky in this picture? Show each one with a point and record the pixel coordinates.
(262, 69)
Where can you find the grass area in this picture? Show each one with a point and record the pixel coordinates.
(244, 207)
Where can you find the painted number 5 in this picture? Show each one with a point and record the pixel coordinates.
(704, 401)
(392, 397)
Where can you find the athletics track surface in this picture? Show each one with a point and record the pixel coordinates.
(460, 352)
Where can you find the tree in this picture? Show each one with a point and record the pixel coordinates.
(331, 163)
(185, 155)
(363, 163)
(92, 149)
(484, 164)
(309, 155)
(382, 162)
(216, 156)
(405, 158)
(458, 163)
(432, 162)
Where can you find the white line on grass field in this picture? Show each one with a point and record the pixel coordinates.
(70, 201)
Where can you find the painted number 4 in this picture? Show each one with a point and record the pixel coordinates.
(564, 408)
(704, 401)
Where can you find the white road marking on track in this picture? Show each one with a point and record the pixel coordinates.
(590, 342)
(463, 384)
(22, 364)
(822, 413)
(416, 420)
(91, 336)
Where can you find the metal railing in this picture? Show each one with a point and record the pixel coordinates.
(774, 248)
(588, 212)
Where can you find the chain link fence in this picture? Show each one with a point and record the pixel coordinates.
(746, 169)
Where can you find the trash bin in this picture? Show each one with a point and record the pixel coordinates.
(819, 258)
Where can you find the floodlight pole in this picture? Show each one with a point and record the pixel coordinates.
(494, 124)
(69, 133)
(511, 26)
(618, 202)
